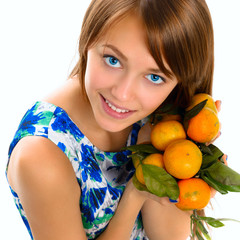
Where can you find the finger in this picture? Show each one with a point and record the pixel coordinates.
(162, 200)
(224, 158)
(218, 104)
(173, 201)
(213, 192)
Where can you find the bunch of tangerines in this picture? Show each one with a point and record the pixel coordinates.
(181, 163)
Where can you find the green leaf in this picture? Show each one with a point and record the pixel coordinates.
(215, 223)
(139, 185)
(146, 148)
(192, 226)
(193, 112)
(211, 182)
(205, 149)
(138, 155)
(159, 182)
(169, 108)
(166, 109)
(210, 219)
(210, 157)
(224, 176)
(228, 219)
(199, 235)
(203, 230)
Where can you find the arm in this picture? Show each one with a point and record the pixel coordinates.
(122, 223)
(161, 218)
(48, 189)
(165, 221)
(44, 179)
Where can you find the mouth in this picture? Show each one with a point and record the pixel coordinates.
(114, 110)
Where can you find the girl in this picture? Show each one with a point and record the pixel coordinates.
(67, 174)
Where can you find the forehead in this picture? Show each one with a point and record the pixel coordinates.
(129, 26)
(128, 35)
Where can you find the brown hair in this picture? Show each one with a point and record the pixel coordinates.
(178, 31)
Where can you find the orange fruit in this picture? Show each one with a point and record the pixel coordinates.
(201, 97)
(182, 159)
(194, 194)
(204, 127)
(163, 133)
(155, 159)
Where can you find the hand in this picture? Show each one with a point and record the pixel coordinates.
(142, 196)
(218, 105)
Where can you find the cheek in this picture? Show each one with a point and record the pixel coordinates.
(154, 99)
(92, 78)
(95, 77)
(152, 102)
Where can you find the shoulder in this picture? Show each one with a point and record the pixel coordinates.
(47, 187)
(35, 121)
(38, 163)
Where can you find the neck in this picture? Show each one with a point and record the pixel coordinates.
(112, 142)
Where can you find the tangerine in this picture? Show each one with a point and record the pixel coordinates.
(155, 159)
(204, 127)
(163, 133)
(182, 159)
(194, 194)
(201, 97)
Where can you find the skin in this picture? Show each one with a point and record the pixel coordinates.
(40, 172)
(125, 84)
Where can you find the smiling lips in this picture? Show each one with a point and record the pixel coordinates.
(115, 111)
(118, 110)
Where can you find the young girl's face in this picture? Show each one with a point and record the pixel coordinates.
(123, 82)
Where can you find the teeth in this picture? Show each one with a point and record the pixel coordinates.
(118, 110)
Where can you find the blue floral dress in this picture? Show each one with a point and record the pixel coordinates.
(102, 176)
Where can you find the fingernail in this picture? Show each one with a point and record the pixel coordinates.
(172, 201)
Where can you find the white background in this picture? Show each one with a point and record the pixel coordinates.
(38, 46)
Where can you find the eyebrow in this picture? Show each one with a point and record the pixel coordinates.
(155, 70)
(116, 50)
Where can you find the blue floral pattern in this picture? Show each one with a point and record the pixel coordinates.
(102, 176)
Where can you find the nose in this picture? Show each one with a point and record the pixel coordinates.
(124, 89)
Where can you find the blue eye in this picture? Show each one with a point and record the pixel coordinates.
(155, 78)
(112, 61)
